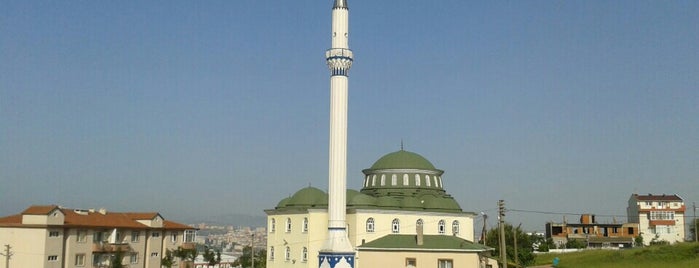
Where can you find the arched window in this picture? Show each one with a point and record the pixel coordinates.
(305, 225)
(427, 181)
(419, 224)
(435, 182)
(405, 180)
(394, 180)
(395, 226)
(287, 256)
(366, 181)
(304, 255)
(271, 253)
(373, 180)
(272, 224)
(440, 183)
(370, 225)
(288, 225)
(383, 179)
(417, 180)
(441, 227)
(455, 227)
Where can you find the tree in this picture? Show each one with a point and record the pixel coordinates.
(525, 253)
(168, 260)
(245, 260)
(117, 259)
(576, 243)
(211, 257)
(638, 240)
(186, 255)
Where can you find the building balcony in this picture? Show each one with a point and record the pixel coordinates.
(108, 247)
(661, 222)
(188, 245)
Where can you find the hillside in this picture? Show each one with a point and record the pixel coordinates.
(680, 255)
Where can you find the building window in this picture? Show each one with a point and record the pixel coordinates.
(271, 253)
(441, 227)
(427, 181)
(383, 179)
(304, 255)
(54, 234)
(395, 226)
(445, 264)
(370, 225)
(366, 181)
(406, 180)
(81, 236)
(155, 234)
(410, 262)
(419, 222)
(154, 254)
(189, 236)
(630, 231)
(288, 225)
(417, 180)
(455, 227)
(79, 259)
(305, 225)
(134, 236)
(173, 237)
(436, 184)
(53, 258)
(134, 257)
(662, 215)
(272, 224)
(394, 180)
(287, 255)
(373, 180)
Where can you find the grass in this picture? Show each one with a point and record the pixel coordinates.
(679, 255)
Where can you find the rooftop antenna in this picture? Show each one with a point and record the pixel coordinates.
(401, 144)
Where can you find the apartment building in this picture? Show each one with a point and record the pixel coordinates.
(53, 236)
(592, 233)
(660, 217)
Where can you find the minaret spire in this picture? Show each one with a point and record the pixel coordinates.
(338, 252)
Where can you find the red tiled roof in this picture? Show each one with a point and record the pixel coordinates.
(663, 197)
(94, 219)
(39, 210)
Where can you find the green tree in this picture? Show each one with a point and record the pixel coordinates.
(117, 259)
(638, 241)
(211, 257)
(525, 253)
(168, 260)
(245, 260)
(576, 243)
(186, 255)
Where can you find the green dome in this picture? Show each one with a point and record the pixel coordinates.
(283, 203)
(403, 160)
(361, 200)
(308, 197)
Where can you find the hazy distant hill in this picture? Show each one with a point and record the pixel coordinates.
(228, 219)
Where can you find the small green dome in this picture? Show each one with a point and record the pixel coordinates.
(361, 200)
(387, 201)
(308, 197)
(283, 203)
(402, 160)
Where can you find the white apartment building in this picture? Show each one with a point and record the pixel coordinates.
(53, 236)
(660, 217)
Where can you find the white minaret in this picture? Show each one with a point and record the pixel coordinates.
(337, 252)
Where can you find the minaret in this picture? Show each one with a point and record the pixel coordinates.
(337, 252)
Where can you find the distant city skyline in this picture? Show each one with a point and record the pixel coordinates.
(197, 109)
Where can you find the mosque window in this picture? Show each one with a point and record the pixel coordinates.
(304, 255)
(395, 226)
(373, 180)
(272, 224)
(419, 223)
(271, 253)
(383, 179)
(417, 180)
(366, 181)
(441, 227)
(288, 225)
(427, 181)
(405, 180)
(440, 183)
(305, 225)
(370, 225)
(394, 180)
(435, 182)
(287, 255)
(455, 227)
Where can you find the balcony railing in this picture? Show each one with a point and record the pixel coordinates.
(108, 247)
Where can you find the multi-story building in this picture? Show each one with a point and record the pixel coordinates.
(660, 217)
(593, 234)
(53, 236)
(402, 217)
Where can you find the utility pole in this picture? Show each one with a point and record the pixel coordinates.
(694, 222)
(501, 223)
(7, 255)
(514, 234)
(484, 232)
(252, 251)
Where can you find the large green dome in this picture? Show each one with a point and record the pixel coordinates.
(403, 160)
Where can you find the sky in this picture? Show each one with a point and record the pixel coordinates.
(195, 108)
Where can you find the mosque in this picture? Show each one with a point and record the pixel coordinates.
(402, 216)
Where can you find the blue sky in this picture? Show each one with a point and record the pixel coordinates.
(216, 107)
